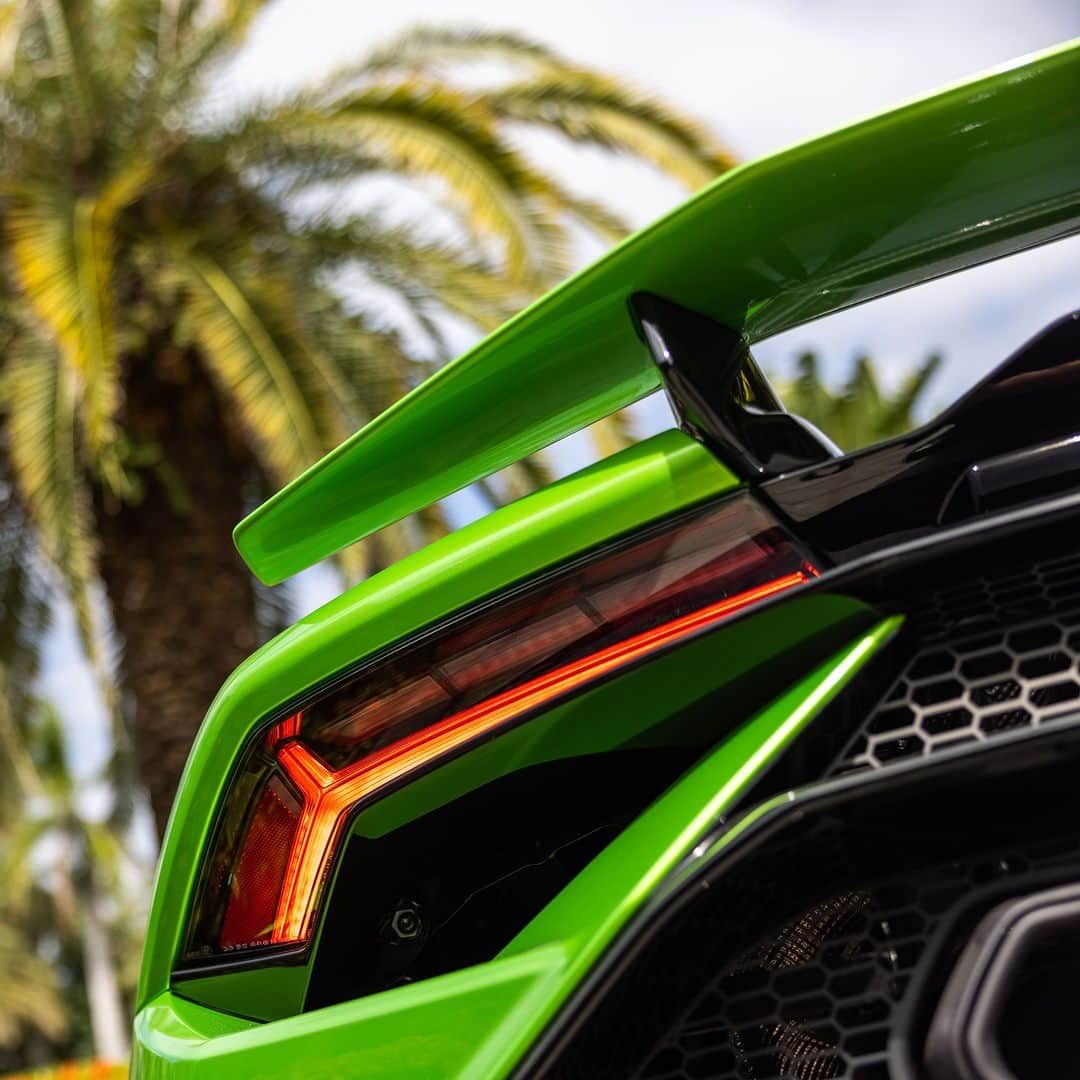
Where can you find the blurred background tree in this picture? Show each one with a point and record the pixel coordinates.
(860, 412)
(174, 345)
(65, 912)
(64, 873)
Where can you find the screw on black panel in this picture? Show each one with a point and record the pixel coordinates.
(405, 924)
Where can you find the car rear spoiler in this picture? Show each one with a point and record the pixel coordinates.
(972, 173)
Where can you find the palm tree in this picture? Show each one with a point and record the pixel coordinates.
(67, 874)
(30, 999)
(860, 412)
(176, 337)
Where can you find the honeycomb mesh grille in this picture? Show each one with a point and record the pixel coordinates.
(992, 656)
(819, 998)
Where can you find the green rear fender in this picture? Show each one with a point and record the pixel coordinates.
(478, 1022)
(650, 481)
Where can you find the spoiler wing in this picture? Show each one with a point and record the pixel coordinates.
(969, 174)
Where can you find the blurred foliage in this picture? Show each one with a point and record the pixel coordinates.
(859, 412)
(72, 894)
(136, 216)
(81, 1070)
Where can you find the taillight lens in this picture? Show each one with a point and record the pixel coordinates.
(289, 804)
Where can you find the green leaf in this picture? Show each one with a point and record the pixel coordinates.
(62, 248)
(253, 363)
(592, 108)
(40, 399)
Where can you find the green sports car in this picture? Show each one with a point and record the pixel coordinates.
(728, 756)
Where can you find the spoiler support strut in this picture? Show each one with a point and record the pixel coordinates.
(720, 396)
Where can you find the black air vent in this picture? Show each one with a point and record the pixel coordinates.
(819, 997)
(993, 655)
(817, 943)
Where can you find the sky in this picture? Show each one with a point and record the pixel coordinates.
(761, 74)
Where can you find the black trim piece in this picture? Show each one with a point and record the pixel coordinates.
(1017, 476)
(732, 841)
(994, 648)
(719, 395)
(963, 1042)
(888, 582)
(269, 956)
(475, 870)
(906, 488)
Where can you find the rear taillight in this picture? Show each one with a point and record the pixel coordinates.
(299, 782)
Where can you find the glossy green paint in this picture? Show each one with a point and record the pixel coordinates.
(649, 481)
(966, 175)
(478, 1022)
(686, 699)
(438, 1027)
(268, 993)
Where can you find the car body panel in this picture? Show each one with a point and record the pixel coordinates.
(965, 175)
(477, 1022)
(690, 697)
(649, 481)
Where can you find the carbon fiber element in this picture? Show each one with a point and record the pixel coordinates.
(992, 655)
(820, 996)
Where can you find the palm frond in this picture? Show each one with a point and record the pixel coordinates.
(38, 395)
(605, 223)
(430, 132)
(613, 433)
(40, 401)
(370, 358)
(62, 247)
(858, 413)
(194, 39)
(591, 108)
(67, 32)
(253, 362)
(522, 478)
(182, 24)
(913, 388)
(14, 15)
(425, 49)
(421, 270)
(29, 994)
(16, 766)
(25, 597)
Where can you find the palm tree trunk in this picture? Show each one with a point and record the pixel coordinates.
(181, 599)
(108, 1024)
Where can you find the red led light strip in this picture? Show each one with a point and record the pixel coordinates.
(289, 728)
(328, 795)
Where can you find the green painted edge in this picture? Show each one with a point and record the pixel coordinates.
(662, 836)
(637, 709)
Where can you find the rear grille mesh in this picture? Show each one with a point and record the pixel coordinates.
(819, 998)
(992, 656)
